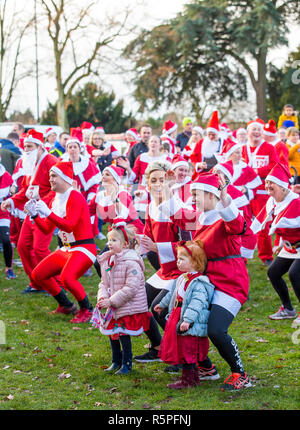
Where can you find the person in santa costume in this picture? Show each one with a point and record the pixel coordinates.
(137, 173)
(69, 212)
(86, 173)
(204, 155)
(220, 223)
(262, 157)
(50, 139)
(283, 211)
(114, 201)
(86, 129)
(244, 178)
(132, 137)
(169, 134)
(270, 135)
(33, 244)
(5, 184)
(181, 188)
(197, 135)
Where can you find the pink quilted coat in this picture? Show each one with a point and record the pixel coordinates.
(124, 284)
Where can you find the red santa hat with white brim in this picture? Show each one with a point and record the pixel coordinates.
(87, 127)
(49, 131)
(34, 136)
(64, 169)
(116, 172)
(226, 168)
(74, 140)
(230, 147)
(280, 175)
(179, 161)
(207, 182)
(199, 129)
(256, 121)
(169, 127)
(270, 128)
(134, 133)
(213, 123)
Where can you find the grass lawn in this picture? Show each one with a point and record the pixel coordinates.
(47, 363)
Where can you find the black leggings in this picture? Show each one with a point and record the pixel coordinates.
(218, 324)
(119, 355)
(276, 270)
(7, 248)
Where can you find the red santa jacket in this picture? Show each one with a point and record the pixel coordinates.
(220, 231)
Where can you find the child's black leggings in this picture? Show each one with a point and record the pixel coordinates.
(7, 248)
(123, 355)
(276, 270)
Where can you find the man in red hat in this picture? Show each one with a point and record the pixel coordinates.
(33, 244)
(262, 157)
(70, 213)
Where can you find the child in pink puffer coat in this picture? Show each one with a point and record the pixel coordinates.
(122, 292)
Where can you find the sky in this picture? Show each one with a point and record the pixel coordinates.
(146, 14)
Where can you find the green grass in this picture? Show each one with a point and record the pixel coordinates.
(47, 363)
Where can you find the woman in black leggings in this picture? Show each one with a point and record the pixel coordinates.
(284, 208)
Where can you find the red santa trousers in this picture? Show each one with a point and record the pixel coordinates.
(33, 247)
(69, 265)
(264, 241)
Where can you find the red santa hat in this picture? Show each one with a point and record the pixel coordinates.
(169, 127)
(134, 133)
(116, 172)
(213, 123)
(87, 127)
(101, 129)
(49, 131)
(76, 133)
(280, 175)
(178, 161)
(226, 168)
(64, 169)
(207, 182)
(225, 127)
(229, 147)
(34, 136)
(270, 128)
(257, 121)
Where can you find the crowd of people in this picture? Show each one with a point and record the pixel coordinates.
(195, 204)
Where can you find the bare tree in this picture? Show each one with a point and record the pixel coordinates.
(13, 29)
(75, 55)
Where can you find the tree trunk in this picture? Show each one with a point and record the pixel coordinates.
(62, 118)
(261, 87)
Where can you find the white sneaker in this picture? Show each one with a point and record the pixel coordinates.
(101, 236)
(296, 322)
(283, 314)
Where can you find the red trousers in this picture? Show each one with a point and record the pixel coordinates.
(69, 265)
(15, 229)
(33, 247)
(264, 241)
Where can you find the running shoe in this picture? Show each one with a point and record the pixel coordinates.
(208, 374)
(82, 316)
(235, 382)
(9, 274)
(283, 314)
(64, 310)
(148, 357)
(30, 290)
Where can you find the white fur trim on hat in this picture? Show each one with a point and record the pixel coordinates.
(205, 187)
(114, 174)
(212, 130)
(277, 181)
(62, 175)
(33, 140)
(180, 163)
(224, 170)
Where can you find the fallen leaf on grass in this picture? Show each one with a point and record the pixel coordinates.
(6, 367)
(87, 355)
(76, 328)
(261, 340)
(64, 376)
(146, 406)
(113, 390)
(9, 397)
(99, 404)
(59, 348)
(24, 322)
